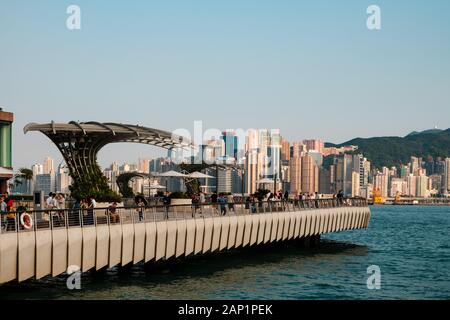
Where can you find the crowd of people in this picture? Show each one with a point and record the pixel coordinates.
(222, 204)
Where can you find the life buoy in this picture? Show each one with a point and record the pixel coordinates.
(26, 221)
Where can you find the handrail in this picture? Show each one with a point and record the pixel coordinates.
(50, 219)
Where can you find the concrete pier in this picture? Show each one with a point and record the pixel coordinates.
(89, 240)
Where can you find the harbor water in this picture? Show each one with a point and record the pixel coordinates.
(409, 244)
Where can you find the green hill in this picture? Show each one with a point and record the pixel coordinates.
(390, 151)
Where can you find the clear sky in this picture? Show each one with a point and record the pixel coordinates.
(310, 69)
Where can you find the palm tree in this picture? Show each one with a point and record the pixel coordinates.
(24, 174)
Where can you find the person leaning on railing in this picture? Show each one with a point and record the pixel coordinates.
(10, 215)
(113, 215)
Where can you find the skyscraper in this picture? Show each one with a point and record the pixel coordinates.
(422, 186)
(381, 182)
(355, 184)
(48, 165)
(63, 179)
(45, 182)
(414, 165)
(325, 181)
(314, 144)
(296, 175)
(298, 149)
(263, 158)
(343, 173)
(231, 144)
(37, 169)
(285, 150)
(144, 165)
(310, 175)
(447, 175)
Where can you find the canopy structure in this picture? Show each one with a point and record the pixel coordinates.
(80, 142)
(172, 174)
(200, 175)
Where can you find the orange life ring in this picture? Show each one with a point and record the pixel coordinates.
(26, 221)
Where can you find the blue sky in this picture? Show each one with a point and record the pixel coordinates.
(311, 69)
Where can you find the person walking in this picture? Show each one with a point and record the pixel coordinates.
(214, 199)
(166, 203)
(195, 204)
(223, 204)
(141, 203)
(92, 204)
(230, 200)
(340, 197)
(202, 200)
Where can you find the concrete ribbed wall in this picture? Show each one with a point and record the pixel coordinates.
(36, 254)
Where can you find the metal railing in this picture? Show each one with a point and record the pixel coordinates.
(70, 218)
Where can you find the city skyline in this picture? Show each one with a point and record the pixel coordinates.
(113, 152)
(306, 69)
(299, 166)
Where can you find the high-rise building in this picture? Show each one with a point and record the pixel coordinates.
(231, 144)
(236, 181)
(144, 165)
(314, 144)
(285, 150)
(298, 149)
(412, 185)
(45, 182)
(263, 158)
(436, 183)
(251, 175)
(295, 173)
(381, 182)
(63, 179)
(325, 181)
(37, 169)
(48, 165)
(125, 168)
(343, 177)
(398, 186)
(310, 175)
(317, 156)
(404, 171)
(414, 165)
(355, 184)
(422, 186)
(447, 175)
(225, 184)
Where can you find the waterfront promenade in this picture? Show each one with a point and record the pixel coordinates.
(94, 240)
